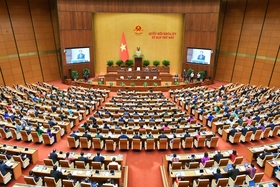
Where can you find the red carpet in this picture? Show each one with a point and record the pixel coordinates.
(143, 166)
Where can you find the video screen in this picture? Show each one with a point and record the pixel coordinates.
(77, 55)
(199, 56)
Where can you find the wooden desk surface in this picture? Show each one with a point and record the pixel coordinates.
(16, 167)
(270, 165)
(259, 149)
(30, 152)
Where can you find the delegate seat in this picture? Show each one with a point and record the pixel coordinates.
(15, 135)
(84, 184)
(162, 144)
(200, 142)
(220, 130)
(274, 132)
(36, 138)
(265, 133)
(256, 136)
(24, 163)
(4, 157)
(247, 137)
(221, 182)
(4, 134)
(175, 166)
(208, 164)
(6, 178)
(237, 182)
(81, 165)
(187, 143)
(113, 167)
(257, 178)
(175, 144)
(97, 143)
(123, 144)
(237, 160)
(85, 143)
(49, 181)
(235, 138)
(110, 145)
(182, 184)
(47, 140)
(223, 162)
(66, 164)
(201, 183)
(193, 165)
(150, 144)
(136, 144)
(261, 162)
(277, 174)
(31, 181)
(25, 137)
(213, 142)
(49, 162)
(70, 183)
(72, 143)
(97, 166)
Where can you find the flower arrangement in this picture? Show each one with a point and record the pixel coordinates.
(155, 84)
(111, 84)
(166, 84)
(89, 82)
(132, 84)
(122, 84)
(145, 84)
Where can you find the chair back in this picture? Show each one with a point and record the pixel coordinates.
(113, 167)
(110, 145)
(96, 143)
(239, 180)
(50, 181)
(188, 143)
(201, 142)
(248, 136)
(24, 135)
(48, 162)
(203, 182)
(84, 184)
(209, 163)
(238, 160)
(71, 142)
(163, 143)
(17, 158)
(222, 182)
(80, 164)
(123, 144)
(223, 162)
(275, 131)
(84, 143)
(63, 163)
(35, 137)
(48, 140)
(268, 157)
(15, 134)
(257, 135)
(176, 143)
(214, 142)
(183, 184)
(193, 165)
(150, 144)
(29, 180)
(68, 183)
(5, 179)
(258, 177)
(176, 165)
(136, 144)
(2, 132)
(96, 165)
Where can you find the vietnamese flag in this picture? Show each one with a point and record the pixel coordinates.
(123, 49)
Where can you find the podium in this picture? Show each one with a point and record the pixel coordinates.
(174, 80)
(137, 63)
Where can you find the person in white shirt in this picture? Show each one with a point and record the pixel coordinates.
(114, 163)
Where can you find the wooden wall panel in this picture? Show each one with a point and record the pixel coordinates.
(199, 33)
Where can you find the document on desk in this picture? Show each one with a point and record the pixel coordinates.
(88, 173)
(209, 171)
(106, 173)
(242, 168)
(75, 172)
(197, 172)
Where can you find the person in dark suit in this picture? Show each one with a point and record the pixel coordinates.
(271, 125)
(81, 55)
(201, 56)
(53, 156)
(83, 158)
(123, 136)
(136, 136)
(218, 156)
(263, 155)
(87, 135)
(254, 129)
(31, 174)
(244, 130)
(232, 173)
(232, 132)
(187, 135)
(98, 158)
(74, 135)
(4, 169)
(56, 174)
(162, 135)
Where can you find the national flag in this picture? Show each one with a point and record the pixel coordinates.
(123, 49)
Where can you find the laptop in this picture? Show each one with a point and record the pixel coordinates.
(246, 164)
(228, 167)
(252, 183)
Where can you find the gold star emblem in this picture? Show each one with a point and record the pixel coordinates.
(123, 47)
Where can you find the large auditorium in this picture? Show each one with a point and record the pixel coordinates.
(137, 93)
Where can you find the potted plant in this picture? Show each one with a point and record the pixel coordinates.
(146, 63)
(201, 75)
(187, 82)
(122, 84)
(80, 80)
(89, 82)
(100, 82)
(156, 63)
(75, 75)
(190, 71)
(166, 84)
(86, 73)
(119, 62)
(132, 84)
(129, 63)
(165, 63)
(111, 84)
(110, 63)
(176, 83)
(145, 84)
(155, 84)
(194, 80)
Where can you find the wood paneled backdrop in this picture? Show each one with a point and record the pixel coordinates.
(244, 36)
(249, 43)
(201, 23)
